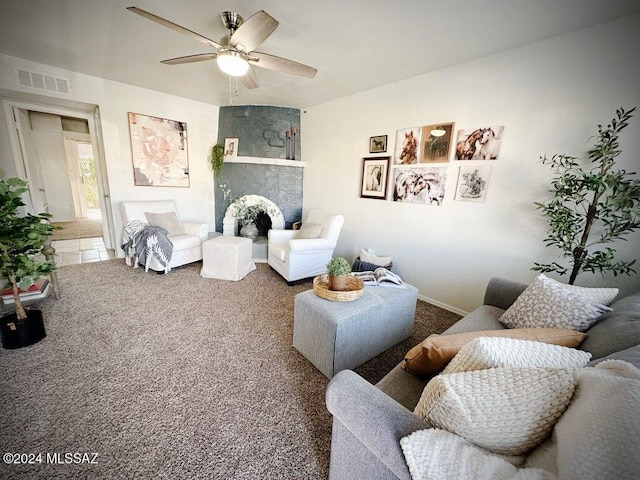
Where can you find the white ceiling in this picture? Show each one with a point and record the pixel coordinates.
(356, 45)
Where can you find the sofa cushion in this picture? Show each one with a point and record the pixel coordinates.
(167, 220)
(616, 330)
(546, 303)
(491, 352)
(598, 434)
(485, 317)
(506, 410)
(435, 352)
(309, 230)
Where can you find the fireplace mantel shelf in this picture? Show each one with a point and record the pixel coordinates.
(265, 161)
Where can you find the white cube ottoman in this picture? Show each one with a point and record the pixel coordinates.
(227, 258)
(336, 336)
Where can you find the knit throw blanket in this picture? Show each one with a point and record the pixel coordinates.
(142, 242)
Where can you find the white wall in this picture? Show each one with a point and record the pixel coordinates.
(114, 101)
(549, 96)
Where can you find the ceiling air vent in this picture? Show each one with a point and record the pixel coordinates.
(43, 82)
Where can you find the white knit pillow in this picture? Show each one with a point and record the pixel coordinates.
(504, 410)
(435, 454)
(491, 352)
(547, 303)
(595, 295)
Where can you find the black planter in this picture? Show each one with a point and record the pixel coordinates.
(22, 333)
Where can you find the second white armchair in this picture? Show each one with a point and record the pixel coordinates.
(304, 253)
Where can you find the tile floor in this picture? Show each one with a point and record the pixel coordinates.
(83, 250)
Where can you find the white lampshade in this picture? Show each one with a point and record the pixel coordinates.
(232, 63)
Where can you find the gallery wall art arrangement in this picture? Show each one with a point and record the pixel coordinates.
(159, 151)
(418, 176)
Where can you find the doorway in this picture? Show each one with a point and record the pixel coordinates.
(59, 151)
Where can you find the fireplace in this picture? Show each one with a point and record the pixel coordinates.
(275, 219)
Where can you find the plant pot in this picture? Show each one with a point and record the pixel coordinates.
(338, 283)
(249, 231)
(22, 333)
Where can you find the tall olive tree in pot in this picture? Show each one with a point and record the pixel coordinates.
(592, 206)
(21, 264)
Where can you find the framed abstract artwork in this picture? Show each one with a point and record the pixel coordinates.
(378, 144)
(375, 173)
(159, 151)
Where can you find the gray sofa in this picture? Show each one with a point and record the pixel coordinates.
(369, 421)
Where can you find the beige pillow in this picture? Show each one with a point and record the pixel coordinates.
(169, 221)
(309, 230)
(547, 303)
(492, 352)
(435, 352)
(506, 410)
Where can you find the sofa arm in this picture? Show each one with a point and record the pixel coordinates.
(198, 229)
(378, 421)
(280, 236)
(502, 293)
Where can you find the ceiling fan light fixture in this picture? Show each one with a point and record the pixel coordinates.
(232, 63)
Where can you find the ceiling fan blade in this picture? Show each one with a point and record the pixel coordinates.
(280, 64)
(250, 79)
(175, 27)
(200, 57)
(255, 30)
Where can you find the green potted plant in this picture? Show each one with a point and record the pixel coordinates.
(217, 158)
(21, 240)
(338, 269)
(591, 206)
(247, 215)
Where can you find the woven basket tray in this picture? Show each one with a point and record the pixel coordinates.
(321, 288)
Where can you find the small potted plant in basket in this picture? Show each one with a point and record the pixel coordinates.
(21, 240)
(338, 269)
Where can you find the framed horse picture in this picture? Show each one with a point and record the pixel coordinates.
(375, 173)
(378, 144)
(408, 141)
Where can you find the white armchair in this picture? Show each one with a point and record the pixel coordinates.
(298, 258)
(187, 247)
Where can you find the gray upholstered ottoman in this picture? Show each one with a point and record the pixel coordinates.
(336, 336)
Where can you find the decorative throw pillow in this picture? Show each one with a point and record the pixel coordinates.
(360, 266)
(596, 295)
(598, 434)
(169, 221)
(504, 410)
(546, 303)
(309, 230)
(367, 255)
(491, 352)
(437, 453)
(436, 351)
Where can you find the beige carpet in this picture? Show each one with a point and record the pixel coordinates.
(174, 377)
(81, 228)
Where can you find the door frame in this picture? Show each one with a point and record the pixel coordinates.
(92, 115)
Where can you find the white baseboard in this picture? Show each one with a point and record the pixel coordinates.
(442, 305)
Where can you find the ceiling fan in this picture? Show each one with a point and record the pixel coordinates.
(235, 51)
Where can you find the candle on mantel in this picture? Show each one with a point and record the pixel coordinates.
(295, 129)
